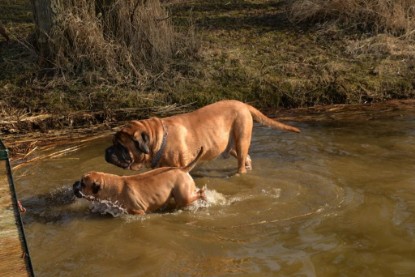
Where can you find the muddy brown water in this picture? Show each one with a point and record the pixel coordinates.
(336, 200)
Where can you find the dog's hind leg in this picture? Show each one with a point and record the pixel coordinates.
(230, 151)
(248, 160)
(230, 147)
(185, 194)
(242, 132)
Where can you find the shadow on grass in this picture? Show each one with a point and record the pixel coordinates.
(234, 15)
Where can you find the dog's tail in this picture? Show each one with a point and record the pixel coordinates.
(192, 164)
(264, 120)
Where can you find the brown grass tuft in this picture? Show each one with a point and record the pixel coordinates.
(123, 43)
(377, 16)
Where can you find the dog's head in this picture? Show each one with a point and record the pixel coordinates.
(90, 187)
(131, 146)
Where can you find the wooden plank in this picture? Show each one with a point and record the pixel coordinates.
(13, 259)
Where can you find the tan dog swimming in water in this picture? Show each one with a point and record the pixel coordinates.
(223, 128)
(142, 193)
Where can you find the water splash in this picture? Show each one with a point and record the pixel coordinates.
(213, 198)
(107, 207)
(104, 206)
(60, 196)
(273, 193)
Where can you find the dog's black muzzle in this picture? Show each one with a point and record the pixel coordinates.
(118, 155)
(77, 187)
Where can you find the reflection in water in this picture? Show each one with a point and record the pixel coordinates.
(336, 199)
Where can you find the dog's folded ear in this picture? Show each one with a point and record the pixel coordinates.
(141, 140)
(95, 188)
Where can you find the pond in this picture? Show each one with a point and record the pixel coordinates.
(335, 200)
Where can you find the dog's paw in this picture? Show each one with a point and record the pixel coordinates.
(202, 194)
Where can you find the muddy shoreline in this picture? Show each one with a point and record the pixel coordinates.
(26, 138)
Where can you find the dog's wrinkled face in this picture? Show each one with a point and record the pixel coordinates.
(89, 187)
(130, 147)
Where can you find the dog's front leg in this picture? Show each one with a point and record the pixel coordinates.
(136, 212)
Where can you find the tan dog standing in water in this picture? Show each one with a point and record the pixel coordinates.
(142, 193)
(224, 127)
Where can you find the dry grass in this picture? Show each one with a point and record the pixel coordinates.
(377, 16)
(250, 50)
(128, 43)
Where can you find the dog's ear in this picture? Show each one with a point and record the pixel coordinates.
(96, 187)
(141, 140)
